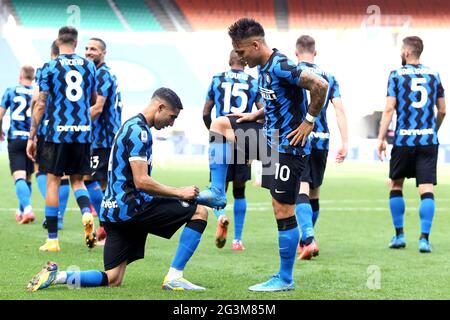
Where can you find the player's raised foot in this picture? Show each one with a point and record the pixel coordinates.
(89, 233)
(237, 245)
(27, 218)
(424, 246)
(306, 252)
(213, 198)
(221, 231)
(44, 278)
(19, 215)
(50, 245)
(398, 242)
(273, 284)
(180, 284)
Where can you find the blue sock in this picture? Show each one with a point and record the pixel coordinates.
(83, 201)
(219, 155)
(240, 207)
(189, 240)
(64, 192)
(51, 216)
(315, 210)
(304, 214)
(218, 212)
(95, 194)
(426, 210)
(90, 278)
(288, 238)
(397, 205)
(41, 179)
(23, 193)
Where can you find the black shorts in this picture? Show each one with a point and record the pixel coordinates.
(281, 172)
(283, 177)
(239, 172)
(414, 162)
(99, 163)
(126, 240)
(18, 160)
(317, 164)
(66, 158)
(39, 149)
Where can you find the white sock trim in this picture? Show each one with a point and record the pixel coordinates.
(174, 274)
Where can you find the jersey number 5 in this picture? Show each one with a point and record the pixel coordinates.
(74, 80)
(237, 90)
(416, 86)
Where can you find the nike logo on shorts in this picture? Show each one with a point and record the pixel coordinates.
(279, 191)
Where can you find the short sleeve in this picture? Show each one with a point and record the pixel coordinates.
(335, 93)
(210, 93)
(138, 143)
(288, 71)
(6, 101)
(44, 81)
(392, 87)
(440, 88)
(103, 82)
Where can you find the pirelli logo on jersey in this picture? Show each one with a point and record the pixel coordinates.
(416, 132)
(81, 128)
(267, 94)
(109, 204)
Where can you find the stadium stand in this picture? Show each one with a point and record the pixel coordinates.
(49, 13)
(138, 15)
(209, 14)
(351, 14)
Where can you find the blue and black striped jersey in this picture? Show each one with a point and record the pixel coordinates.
(320, 136)
(18, 100)
(43, 124)
(70, 81)
(104, 128)
(283, 100)
(416, 89)
(122, 199)
(233, 91)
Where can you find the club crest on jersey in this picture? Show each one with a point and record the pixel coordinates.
(144, 136)
(268, 78)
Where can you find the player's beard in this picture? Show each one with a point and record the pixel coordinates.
(403, 60)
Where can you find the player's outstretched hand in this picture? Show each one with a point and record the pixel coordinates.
(301, 133)
(381, 149)
(31, 149)
(243, 117)
(188, 193)
(342, 153)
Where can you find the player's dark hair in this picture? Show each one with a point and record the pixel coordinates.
(306, 44)
(245, 28)
(27, 72)
(54, 49)
(416, 45)
(67, 35)
(235, 59)
(103, 43)
(169, 96)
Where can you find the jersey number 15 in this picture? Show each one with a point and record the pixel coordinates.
(237, 90)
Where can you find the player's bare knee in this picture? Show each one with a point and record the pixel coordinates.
(201, 213)
(283, 210)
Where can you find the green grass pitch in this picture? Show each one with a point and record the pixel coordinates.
(353, 232)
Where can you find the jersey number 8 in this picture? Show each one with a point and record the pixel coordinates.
(74, 91)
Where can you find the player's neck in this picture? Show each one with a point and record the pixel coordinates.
(26, 83)
(413, 61)
(65, 49)
(236, 67)
(306, 59)
(267, 53)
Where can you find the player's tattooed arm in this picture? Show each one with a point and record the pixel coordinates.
(318, 89)
(207, 113)
(38, 113)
